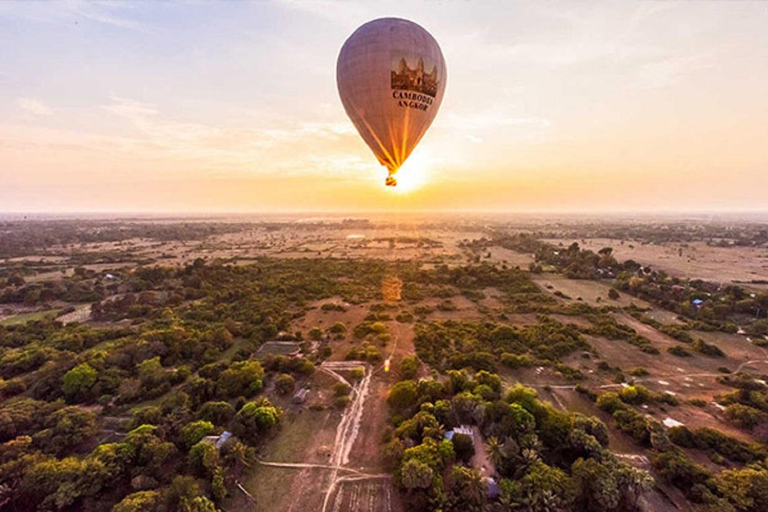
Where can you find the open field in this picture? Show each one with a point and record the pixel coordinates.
(327, 452)
(694, 260)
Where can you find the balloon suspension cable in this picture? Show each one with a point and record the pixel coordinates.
(391, 181)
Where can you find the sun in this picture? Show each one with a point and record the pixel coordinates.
(413, 175)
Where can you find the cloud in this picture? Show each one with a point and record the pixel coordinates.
(477, 126)
(33, 108)
(112, 13)
(289, 147)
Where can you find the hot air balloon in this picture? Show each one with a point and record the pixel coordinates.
(391, 78)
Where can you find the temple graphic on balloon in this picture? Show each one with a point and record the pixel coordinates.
(414, 77)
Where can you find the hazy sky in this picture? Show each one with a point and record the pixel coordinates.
(232, 106)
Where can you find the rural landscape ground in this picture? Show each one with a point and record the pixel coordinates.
(600, 364)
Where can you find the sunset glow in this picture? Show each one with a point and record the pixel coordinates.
(548, 107)
(414, 174)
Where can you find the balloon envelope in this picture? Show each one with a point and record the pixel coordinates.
(391, 77)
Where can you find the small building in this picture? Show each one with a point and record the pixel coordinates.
(223, 439)
(461, 429)
(301, 396)
(218, 441)
(493, 488)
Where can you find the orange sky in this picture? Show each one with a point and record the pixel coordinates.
(647, 106)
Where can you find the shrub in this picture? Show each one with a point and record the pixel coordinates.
(342, 401)
(516, 361)
(678, 351)
(357, 373)
(707, 348)
(285, 384)
(338, 328)
(341, 389)
(743, 416)
(610, 402)
(636, 394)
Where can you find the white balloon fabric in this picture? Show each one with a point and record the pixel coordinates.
(391, 77)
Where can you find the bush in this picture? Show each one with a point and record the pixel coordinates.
(338, 328)
(342, 401)
(707, 348)
(610, 402)
(285, 384)
(743, 416)
(516, 361)
(405, 317)
(678, 351)
(341, 389)
(635, 395)
(357, 373)
(675, 467)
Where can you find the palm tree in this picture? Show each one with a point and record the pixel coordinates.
(238, 457)
(472, 487)
(495, 451)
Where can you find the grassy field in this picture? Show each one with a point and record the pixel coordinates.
(29, 317)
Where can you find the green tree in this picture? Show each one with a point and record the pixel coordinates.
(598, 488)
(237, 457)
(255, 419)
(204, 458)
(218, 413)
(495, 451)
(241, 378)
(547, 488)
(463, 446)
(66, 428)
(151, 373)
(78, 382)
(142, 501)
(746, 488)
(416, 475)
(402, 395)
(468, 489)
(193, 432)
(149, 451)
(409, 367)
